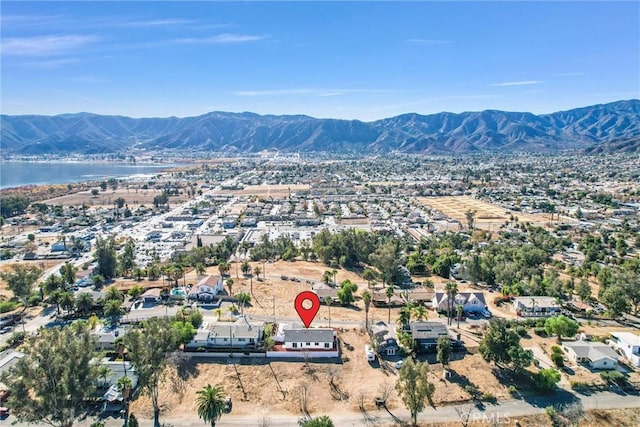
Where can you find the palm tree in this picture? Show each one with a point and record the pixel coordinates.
(245, 268)
(223, 267)
(229, 283)
(420, 312)
(257, 271)
(328, 301)
(389, 293)
(112, 309)
(405, 316)
(459, 312)
(210, 404)
(113, 293)
(84, 303)
(334, 273)
(326, 277)
(369, 275)
(366, 298)
(67, 302)
(243, 298)
(124, 387)
(103, 372)
(451, 288)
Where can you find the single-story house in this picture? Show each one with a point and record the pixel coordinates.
(240, 335)
(151, 295)
(628, 344)
(536, 306)
(426, 335)
(379, 299)
(593, 353)
(326, 292)
(472, 302)
(106, 337)
(309, 339)
(388, 347)
(207, 288)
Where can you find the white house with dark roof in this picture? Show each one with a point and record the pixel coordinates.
(309, 339)
(471, 302)
(536, 306)
(628, 344)
(595, 354)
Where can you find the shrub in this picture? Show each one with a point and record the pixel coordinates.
(555, 349)
(512, 389)
(522, 331)
(540, 332)
(16, 338)
(611, 377)
(472, 390)
(557, 360)
(550, 411)
(488, 396)
(546, 379)
(9, 305)
(578, 384)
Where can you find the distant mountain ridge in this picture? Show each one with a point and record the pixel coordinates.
(610, 126)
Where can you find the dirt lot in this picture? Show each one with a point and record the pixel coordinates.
(354, 378)
(275, 191)
(132, 197)
(488, 216)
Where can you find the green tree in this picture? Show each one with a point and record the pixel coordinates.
(366, 298)
(84, 303)
(229, 284)
(125, 386)
(135, 292)
(244, 299)
(583, 290)
(147, 350)
(55, 382)
(113, 293)
(68, 273)
(106, 256)
(210, 403)
(127, 261)
(419, 312)
(20, 281)
(615, 300)
(404, 317)
(501, 345)
(414, 387)
(113, 309)
(346, 291)
(369, 275)
(387, 260)
(245, 267)
(67, 302)
(545, 380)
(561, 326)
(443, 350)
(451, 289)
(459, 313)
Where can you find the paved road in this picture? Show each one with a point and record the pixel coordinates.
(504, 413)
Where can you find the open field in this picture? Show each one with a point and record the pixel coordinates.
(276, 191)
(132, 197)
(260, 394)
(487, 216)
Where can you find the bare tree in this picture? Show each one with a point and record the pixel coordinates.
(265, 421)
(464, 413)
(303, 394)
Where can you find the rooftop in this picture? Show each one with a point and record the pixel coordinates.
(592, 350)
(308, 335)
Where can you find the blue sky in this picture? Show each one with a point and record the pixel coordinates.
(358, 60)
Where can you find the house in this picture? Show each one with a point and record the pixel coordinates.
(112, 398)
(629, 344)
(326, 292)
(536, 306)
(207, 288)
(151, 295)
(426, 335)
(593, 353)
(388, 347)
(240, 336)
(471, 302)
(106, 337)
(379, 299)
(309, 339)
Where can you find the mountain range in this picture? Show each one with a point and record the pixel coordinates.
(598, 128)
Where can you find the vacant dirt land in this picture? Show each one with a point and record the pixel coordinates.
(275, 191)
(133, 197)
(487, 217)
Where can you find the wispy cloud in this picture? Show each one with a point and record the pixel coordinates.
(308, 91)
(51, 63)
(156, 22)
(226, 38)
(570, 74)
(428, 42)
(520, 83)
(46, 45)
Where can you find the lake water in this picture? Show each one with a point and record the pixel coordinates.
(14, 174)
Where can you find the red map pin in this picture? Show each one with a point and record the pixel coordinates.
(307, 314)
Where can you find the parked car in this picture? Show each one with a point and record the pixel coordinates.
(486, 314)
(399, 364)
(5, 329)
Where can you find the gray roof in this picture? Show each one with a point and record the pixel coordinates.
(427, 330)
(234, 330)
(461, 297)
(592, 350)
(308, 335)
